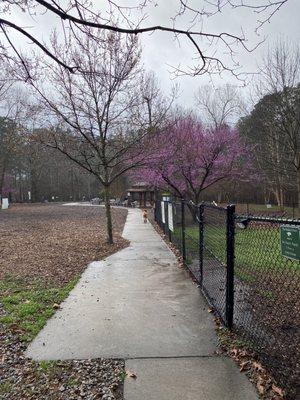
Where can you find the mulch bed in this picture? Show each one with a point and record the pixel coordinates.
(53, 244)
(22, 378)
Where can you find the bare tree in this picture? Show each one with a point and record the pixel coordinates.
(76, 15)
(94, 114)
(219, 106)
(280, 68)
(280, 78)
(270, 152)
(11, 115)
(155, 107)
(8, 141)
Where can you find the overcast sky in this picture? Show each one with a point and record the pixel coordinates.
(161, 51)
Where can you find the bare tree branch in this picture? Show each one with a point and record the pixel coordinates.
(84, 16)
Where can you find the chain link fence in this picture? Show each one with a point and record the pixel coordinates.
(267, 304)
(239, 262)
(214, 258)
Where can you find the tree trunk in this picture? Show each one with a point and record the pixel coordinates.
(108, 215)
(193, 208)
(34, 189)
(2, 176)
(1, 183)
(298, 187)
(277, 196)
(266, 195)
(281, 196)
(193, 211)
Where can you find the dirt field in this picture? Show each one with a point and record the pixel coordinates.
(54, 242)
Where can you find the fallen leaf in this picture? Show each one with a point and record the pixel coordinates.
(131, 374)
(244, 366)
(277, 390)
(234, 352)
(210, 310)
(257, 366)
(55, 306)
(260, 388)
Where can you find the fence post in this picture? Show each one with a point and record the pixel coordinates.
(201, 241)
(183, 230)
(166, 230)
(169, 230)
(158, 212)
(230, 266)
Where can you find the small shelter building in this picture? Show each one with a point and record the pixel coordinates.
(141, 194)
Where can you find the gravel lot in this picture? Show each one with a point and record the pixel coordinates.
(51, 245)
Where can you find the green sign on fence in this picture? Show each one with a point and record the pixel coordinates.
(290, 241)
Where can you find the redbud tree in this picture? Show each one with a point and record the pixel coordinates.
(187, 158)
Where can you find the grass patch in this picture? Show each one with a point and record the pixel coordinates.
(47, 368)
(5, 387)
(28, 306)
(256, 249)
(72, 382)
(123, 376)
(267, 294)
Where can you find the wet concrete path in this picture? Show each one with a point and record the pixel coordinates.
(138, 305)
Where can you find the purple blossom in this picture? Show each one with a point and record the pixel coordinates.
(186, 158)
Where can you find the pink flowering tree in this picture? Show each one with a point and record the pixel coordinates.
(186, 159)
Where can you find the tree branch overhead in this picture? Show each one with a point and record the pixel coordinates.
(78, 15)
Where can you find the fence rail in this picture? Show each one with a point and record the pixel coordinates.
(238, 263)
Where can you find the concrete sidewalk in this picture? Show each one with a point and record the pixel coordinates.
(138, 305)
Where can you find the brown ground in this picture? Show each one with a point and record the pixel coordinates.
(52, 244)
(55, 242)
